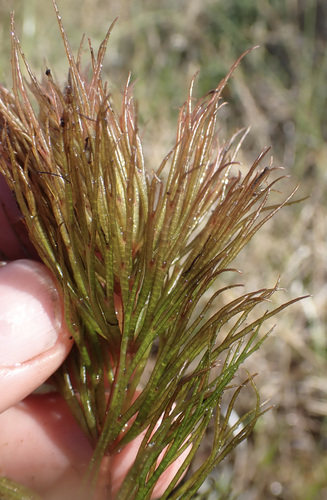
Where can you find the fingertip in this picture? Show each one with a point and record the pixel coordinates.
(34, 337)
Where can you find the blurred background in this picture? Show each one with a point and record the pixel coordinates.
(280, 91)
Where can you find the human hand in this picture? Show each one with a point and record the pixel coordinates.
(14, 240)
(41, 445)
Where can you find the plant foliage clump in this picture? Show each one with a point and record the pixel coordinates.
(135, 251)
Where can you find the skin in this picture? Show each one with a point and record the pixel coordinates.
(14, 242)
(41, 446)
(37, 432)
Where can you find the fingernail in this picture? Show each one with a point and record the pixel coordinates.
(30, 312)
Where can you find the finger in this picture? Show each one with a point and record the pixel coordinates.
(43, 448)
(34, 338)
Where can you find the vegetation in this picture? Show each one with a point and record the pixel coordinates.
(282, 97)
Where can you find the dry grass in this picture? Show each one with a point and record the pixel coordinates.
(280, 91)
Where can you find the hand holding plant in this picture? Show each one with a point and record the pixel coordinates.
(40, 433)
(135, 253)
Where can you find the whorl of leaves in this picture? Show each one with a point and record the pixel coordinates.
(135, 251)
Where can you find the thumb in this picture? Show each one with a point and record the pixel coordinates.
(34, 339)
